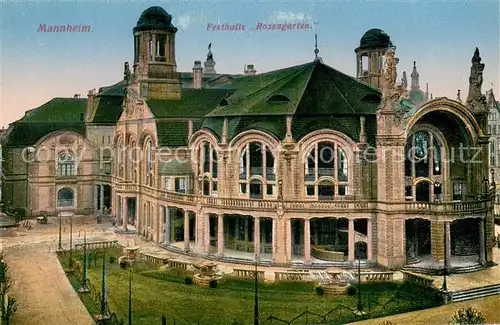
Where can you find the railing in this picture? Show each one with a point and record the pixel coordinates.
(290, 276)
(98, 245)
(327, 255)
(419, 279)
(178, 264)
(340, 203)
(247, 274)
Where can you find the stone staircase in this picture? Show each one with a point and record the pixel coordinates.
(439, 271)
(475, 293)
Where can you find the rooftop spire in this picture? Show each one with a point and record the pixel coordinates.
(414, 77)
(316, 50)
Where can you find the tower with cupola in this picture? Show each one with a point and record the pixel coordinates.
(155, 67)
(370, 56)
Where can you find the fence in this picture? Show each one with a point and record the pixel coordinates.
(96, 295)
(98, 245)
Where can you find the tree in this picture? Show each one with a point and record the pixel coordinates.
(8, 305)
(467, 316)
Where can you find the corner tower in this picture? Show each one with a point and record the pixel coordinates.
(155, 68)
(370, 56)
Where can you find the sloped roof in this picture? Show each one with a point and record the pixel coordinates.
(56, 115)
(311, 88)
(193, 103)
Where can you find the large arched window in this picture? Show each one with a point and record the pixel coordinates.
(149, 165)
(65, 197)
(207, 168)
(66, 165)
(326, 171)
(257, 171)
(423, 167)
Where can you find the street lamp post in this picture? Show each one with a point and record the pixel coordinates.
(131, 263)
(445, 268)
(60, 230)
(70, 243)
(84, 288)
(486, 197)
(256, 298)
(360, 305)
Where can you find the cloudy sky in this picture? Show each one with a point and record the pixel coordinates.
(440, 35)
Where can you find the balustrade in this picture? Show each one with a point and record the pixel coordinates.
(247, 274)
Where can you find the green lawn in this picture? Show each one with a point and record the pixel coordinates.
(156, 293)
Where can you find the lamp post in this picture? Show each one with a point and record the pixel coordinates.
(84, 288)
(360, 305)
(103, 317)
(130, 297)
(486, 183)
(70, 265)
(60, 230)
(445, 267)
(256, 298)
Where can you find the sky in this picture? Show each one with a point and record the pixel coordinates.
(439, 35)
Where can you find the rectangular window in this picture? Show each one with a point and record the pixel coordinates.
(107, 168)
(364, 62)
(310, 190)
(270, 189)
(408, 193)
(180, 184)
(214, 186)
(167, 183)
(342, 190)
(243, 188)
(457, 191)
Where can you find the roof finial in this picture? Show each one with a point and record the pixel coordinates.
(316, 51)
(458, 97)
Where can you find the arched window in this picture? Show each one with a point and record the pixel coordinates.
(423, 159)
(326, 171)
(257, 162)
(149, 165)
(492, 154)
(207, 168)
(65, 197)
(66, 165)
(120, 158)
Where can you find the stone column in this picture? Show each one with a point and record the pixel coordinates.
(101, 202)
(96, 207)
(288, 240)
(369, 240)
(256, 236)
(437, 241)
(124, 213)
(448, 244)
(482, 250)
(186, 230)
(275, 239)
(220, 235)
(247, 228)
(307, 241)
(206, 235)
(350, 242)
(166, 218)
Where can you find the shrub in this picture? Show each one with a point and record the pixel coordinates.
(111, 259)
(213, 283)
(468, 316)
(123, 264)
(319, 291)
(351, 291)
(188, 280)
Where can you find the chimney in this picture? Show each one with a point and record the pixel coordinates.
(90, 104)
(197, 75)
(250, 70)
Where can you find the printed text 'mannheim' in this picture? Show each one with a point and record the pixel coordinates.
(43, 28)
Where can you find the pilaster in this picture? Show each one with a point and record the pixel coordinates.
(307, 241)
(437, 240)
(186, 230)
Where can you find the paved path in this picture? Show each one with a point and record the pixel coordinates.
(42, 290)
(442, 315)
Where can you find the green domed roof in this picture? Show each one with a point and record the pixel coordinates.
(416, 96)
(155, 18)
(374, 39)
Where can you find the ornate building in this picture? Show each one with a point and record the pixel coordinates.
(304, 165)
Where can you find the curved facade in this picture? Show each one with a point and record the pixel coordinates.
(303, 165)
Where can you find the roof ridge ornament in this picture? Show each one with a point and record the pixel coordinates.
(316, 50)
(476, 101)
